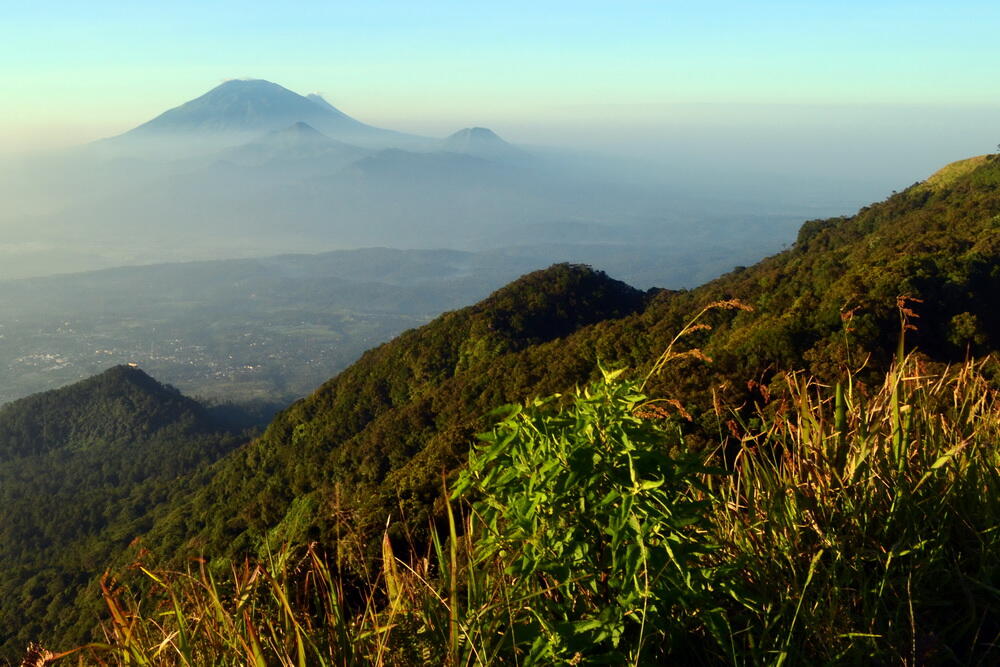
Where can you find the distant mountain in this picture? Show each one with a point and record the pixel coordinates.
(83, 471)
(483, 143)
(316, 98)
(251, 168)
(240, 109)
(298, 142)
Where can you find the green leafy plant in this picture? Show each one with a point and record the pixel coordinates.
(596, 516)
(855, 525)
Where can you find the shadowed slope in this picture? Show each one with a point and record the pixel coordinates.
(83, 470)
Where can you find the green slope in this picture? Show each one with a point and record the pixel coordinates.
(950, 173)
(385, 429)
(82, 472)
(381, 414)
(372, 442)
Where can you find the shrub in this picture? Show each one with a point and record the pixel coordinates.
(594, 514)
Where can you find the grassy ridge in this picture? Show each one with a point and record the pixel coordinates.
(851, 523)
(384, 428)
(372, 442)
(950, 173)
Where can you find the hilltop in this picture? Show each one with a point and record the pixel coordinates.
(393, 407)
(117, 407)
(951, 173)
(372, 442)
(482, 142)
(83, 471)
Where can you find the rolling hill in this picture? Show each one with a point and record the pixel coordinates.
(372, 442)
(83, 470)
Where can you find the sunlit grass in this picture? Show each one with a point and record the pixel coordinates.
(866, 525)
(841, 524)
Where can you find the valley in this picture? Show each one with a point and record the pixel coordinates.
(853, 299)
(499, 334)
(252, 169)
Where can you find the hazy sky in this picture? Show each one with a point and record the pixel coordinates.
(75, 70)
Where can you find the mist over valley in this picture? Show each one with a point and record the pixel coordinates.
(253, 170)
(499, 333)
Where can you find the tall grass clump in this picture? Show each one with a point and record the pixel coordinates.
(283, 611)
(866, 524)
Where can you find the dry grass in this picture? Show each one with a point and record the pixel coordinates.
(950, 173)
(853, 524)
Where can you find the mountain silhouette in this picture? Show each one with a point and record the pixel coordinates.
(238, 110)
(297, 142)
(483, 143)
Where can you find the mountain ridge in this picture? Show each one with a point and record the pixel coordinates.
(799, 298)
(379, 435)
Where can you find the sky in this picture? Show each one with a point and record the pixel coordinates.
(645, 76)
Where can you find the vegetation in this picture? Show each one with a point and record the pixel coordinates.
(383, 429)
(950, 173)
(389, 423)
(371, 444)
(594, 533)
(854, 524)
(83, 470)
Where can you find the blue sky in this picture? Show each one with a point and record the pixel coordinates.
(73, 71)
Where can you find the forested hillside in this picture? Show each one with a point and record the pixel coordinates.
(384, 429)
(372, 443)
(416, 397)
(83, 470)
